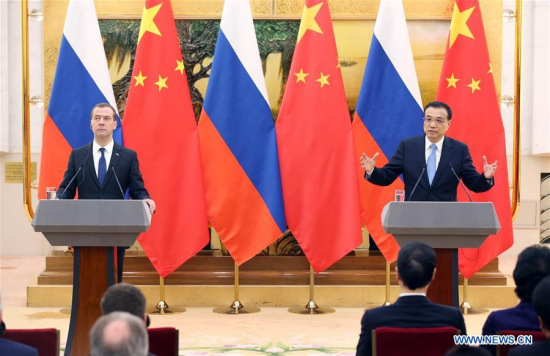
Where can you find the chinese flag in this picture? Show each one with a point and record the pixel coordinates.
(159, 124)
(467, 85)
(316, 151)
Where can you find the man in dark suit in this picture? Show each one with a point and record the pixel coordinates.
(104, 169)
(541, 296)
(433, 160)
(415, 271)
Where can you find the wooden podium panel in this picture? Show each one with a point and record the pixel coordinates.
(94, 273)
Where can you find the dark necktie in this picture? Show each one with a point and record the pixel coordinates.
(102, 167)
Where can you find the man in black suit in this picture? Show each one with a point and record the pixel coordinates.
(433, 160)
(104, 169)
(540, 298)
(415, 271)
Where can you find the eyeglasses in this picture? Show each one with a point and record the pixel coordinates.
(429, 120)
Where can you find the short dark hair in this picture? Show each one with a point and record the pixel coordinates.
(123, 297)
(438, 105)
(532, 266)
(103, 105)
(541, 295)
(466, 350)
(416, 264)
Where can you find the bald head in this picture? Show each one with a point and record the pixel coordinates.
(119, 333)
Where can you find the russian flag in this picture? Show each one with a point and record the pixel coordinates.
(81, 81)
(389, 109)
(238, 143)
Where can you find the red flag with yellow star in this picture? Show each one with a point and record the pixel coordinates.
(160, 125)
(467, 85)
(316, 152)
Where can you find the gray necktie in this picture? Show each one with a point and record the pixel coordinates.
(431, 164)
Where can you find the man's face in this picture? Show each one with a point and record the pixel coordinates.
(435, 123)
(103, 123)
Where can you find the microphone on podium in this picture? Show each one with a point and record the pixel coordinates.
(76, 174)
(118, 182)
(418, 181)
(459, 181)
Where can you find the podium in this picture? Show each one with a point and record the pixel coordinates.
(93, 228)
(446, 227)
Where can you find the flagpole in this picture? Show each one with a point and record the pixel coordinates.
(311, 307)
(517, 112)
(465, 306)
(388, 271)
(236, 307)
(162, 307)
(27, 198)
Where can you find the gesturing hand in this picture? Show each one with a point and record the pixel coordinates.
(489, 170)
(367, 163)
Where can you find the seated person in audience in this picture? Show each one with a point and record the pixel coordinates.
(415, 271)
(8, 347)
(119, 333)
(467, 350)
(532, 266)
(541, 302)
(127, 298)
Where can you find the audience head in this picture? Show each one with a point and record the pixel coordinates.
(120, 334)
(541, 296)
(466, 350)
(532, 266)
(124, 297)
(416, 265)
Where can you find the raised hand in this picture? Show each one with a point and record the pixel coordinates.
(367, 163)
(489, 170)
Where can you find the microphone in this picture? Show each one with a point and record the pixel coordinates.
(118, 182)
(459, 181)
(76, 174)
(72, 179)
(418, 181)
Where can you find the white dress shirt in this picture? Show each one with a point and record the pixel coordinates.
(97, 154)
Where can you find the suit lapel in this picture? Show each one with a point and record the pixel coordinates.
(446, 154)
(115, 156)
(90, 164)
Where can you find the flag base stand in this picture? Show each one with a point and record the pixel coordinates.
(162, 307)
(311, 308)
(236, 308)
(466, 307)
